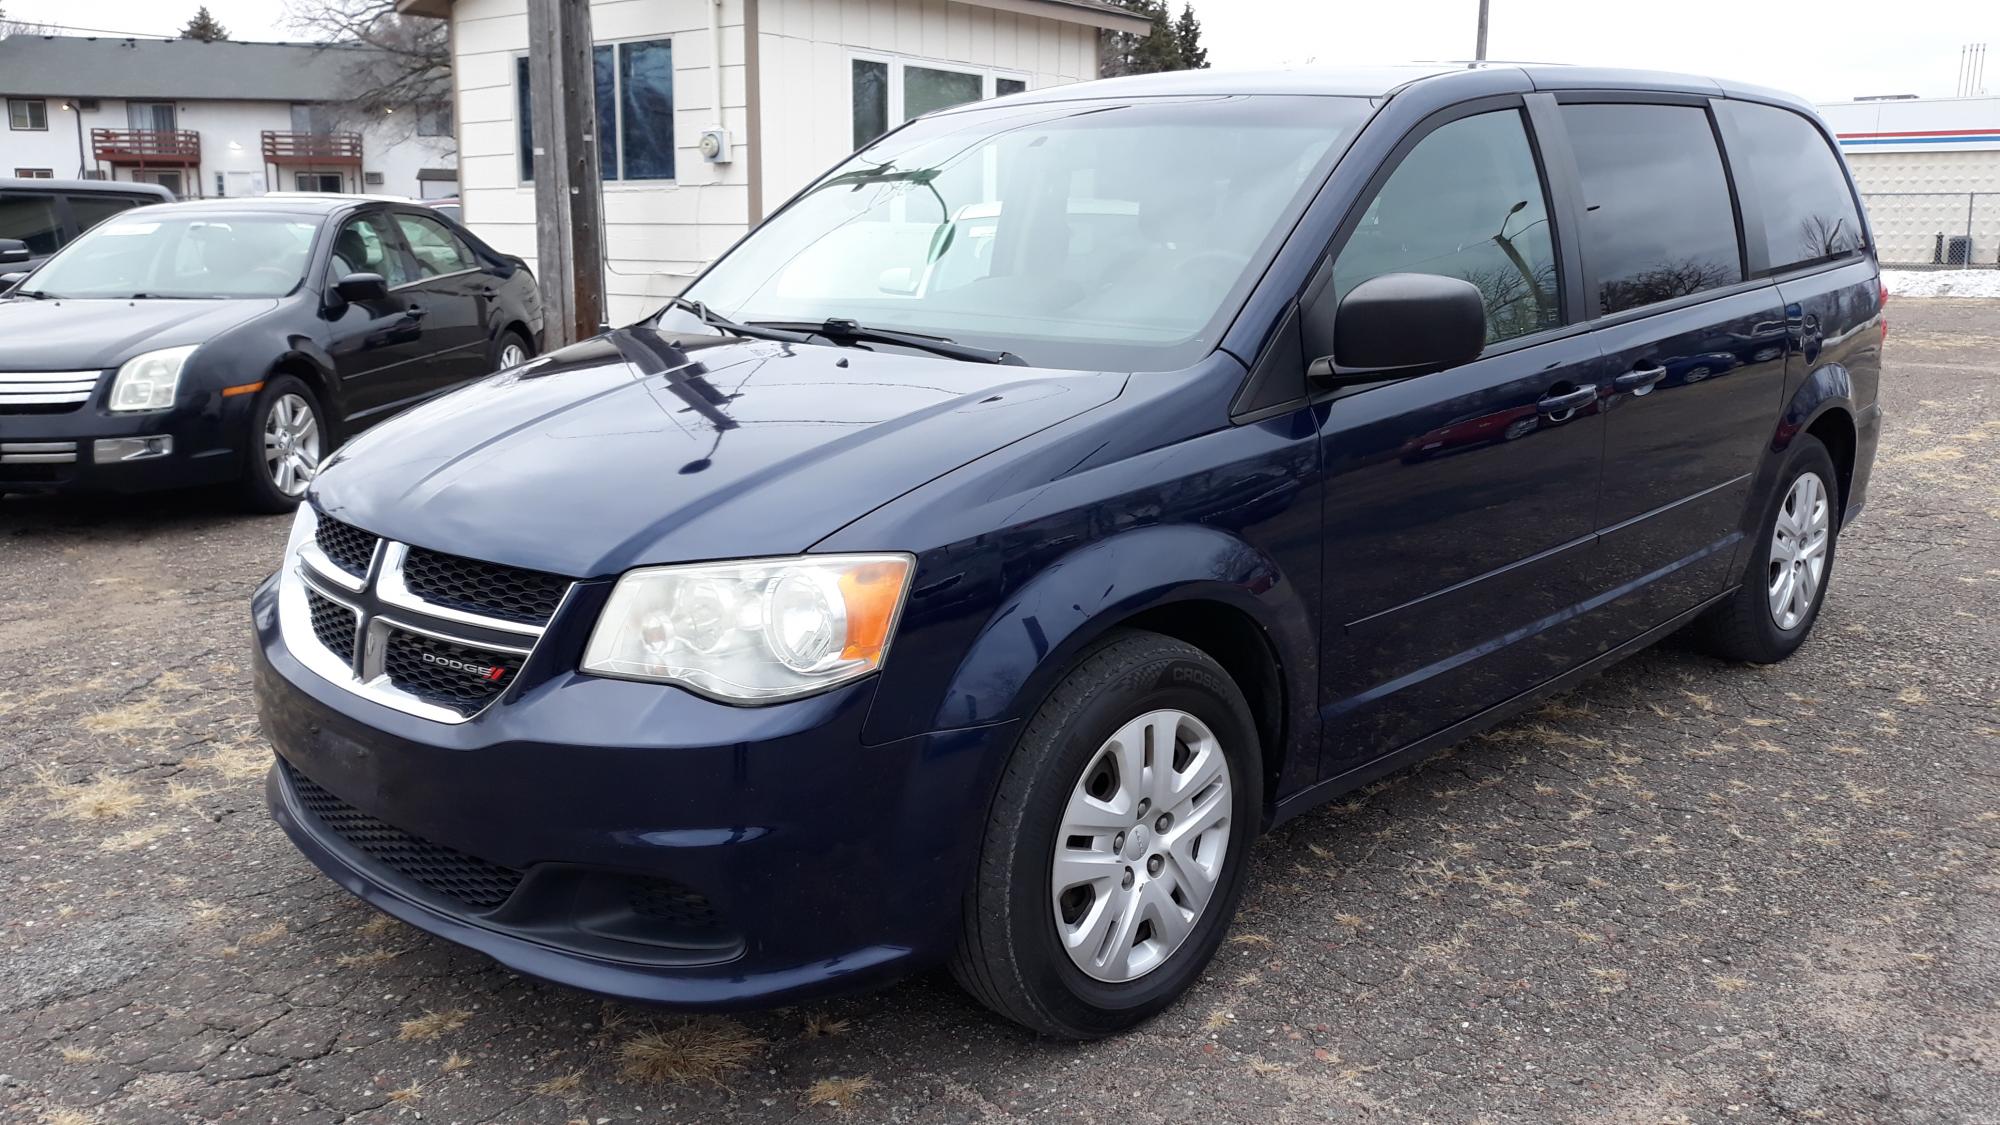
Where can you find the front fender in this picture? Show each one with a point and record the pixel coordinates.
(1038, 629)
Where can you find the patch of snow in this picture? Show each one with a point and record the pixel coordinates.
(1942, 283)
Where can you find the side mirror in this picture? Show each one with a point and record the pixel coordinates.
(1403, 324)
(362, 287)
(12, 251)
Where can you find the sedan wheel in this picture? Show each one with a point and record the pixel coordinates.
(291, 444)
(511, 355)
(1140, 846)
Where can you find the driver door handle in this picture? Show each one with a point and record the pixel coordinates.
(414, 312)
(1640, 379)
(1568, 400)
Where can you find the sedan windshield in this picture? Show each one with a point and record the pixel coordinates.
(1114, 235)
(204, 255)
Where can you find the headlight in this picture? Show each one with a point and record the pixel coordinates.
(755, 631)
(148, 381)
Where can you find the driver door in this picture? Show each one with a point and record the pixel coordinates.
(377, 346)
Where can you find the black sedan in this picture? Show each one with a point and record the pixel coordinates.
(239, 340)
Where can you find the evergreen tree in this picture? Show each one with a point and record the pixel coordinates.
(1187, 39)
(204, 27)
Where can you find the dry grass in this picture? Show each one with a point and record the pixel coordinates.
(245, 759)
(101, 797)
(837, 1092)
(819, 1025)
(81, 1056)
(363, 960)
(1258, 940)
(407, 1094)
(267, 935)
(206, 913)
(64, 1115)
(561, 1086)
(134, 839)
(380, 925)
(455, 1062)
(700, 1050)
(430, 1025)
(1730, 984)
(1219, 1020)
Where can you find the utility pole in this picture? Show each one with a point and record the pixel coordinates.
(1479, 48)
(569, 220)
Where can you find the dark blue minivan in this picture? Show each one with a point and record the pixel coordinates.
(1052, 498)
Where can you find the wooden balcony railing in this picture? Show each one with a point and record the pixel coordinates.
(311, 148)
(175, 147)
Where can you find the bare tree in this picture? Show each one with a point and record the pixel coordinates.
(22, 27)
(406, 74)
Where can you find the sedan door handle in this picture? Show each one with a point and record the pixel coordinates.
(1568, 400)
(1639, 380)
(414, 312)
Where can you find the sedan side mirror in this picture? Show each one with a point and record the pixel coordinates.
(1403, 324)
(12, 251)
(363, 287)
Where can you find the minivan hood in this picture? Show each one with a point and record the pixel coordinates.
(79, 335)
(641, 446)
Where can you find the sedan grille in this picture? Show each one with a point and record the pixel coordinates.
(440, 672)
(346, 546)
(443, 871)
(528, 597)
(45, 392)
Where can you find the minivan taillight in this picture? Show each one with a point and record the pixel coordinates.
(1884, 308)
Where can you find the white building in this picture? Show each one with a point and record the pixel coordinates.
(1929, 171)
(208, 119)
(800, 84)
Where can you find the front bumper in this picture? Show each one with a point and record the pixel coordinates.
(819, 864)
(206, 432)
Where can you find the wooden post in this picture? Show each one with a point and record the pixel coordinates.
(569, 221)
(1479, 48)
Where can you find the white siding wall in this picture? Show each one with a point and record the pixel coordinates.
(657, 233)
(53, 148)
(806, 67)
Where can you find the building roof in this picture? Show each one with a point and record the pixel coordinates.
(182, 69)
(1093, 13)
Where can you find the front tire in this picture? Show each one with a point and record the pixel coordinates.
(288, 439)
(1790, 567)
(1114, 856)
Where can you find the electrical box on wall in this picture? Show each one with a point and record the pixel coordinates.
(715, 146)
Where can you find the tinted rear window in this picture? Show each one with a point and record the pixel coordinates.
(90, 210)
(32, 219)
(1659, 223)
(1808, 213)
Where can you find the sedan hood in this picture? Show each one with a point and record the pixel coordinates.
(647, 447)
(72, 335)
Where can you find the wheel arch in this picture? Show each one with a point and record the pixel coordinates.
(316, 372)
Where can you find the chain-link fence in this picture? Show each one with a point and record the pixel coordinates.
(1937, 229)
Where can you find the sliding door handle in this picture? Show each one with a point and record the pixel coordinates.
(1568, 401)
(1640, 380)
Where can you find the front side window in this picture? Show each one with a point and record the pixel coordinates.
(1467, 202)
(1095, 235)
(1658, 222)
(432, 247)
(32, 219)
(361, 247)
(27, 113)
(153, 255)
(1808, 211)
(635, 111)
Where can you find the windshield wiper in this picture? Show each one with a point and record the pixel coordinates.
(716, 320)
(31, 294)
(843, 331)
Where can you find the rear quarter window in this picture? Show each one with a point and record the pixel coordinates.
(93, 208)
(1658, 221)
(1785, 163)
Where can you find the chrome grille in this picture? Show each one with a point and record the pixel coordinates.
(44, 391)
(37, 452)
(355, 620)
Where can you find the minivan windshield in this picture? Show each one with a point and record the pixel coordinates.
(207, 255)
(1101, 234)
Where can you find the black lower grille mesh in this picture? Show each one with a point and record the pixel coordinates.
(349, 547)
(460, 677)
(333, 624)
(669, 902)
(507, 592)
(434, 867)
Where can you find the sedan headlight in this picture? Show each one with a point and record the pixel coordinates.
(149, 381)
(755, 631)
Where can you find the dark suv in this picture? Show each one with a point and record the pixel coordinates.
(1057, 495)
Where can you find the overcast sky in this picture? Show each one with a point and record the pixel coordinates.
(1826, 49)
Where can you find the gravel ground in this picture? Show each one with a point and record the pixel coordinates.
(1687, 892)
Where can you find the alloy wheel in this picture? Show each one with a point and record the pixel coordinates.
(1141, 845)
(291, 443)
(511, 355)
(1798, 551)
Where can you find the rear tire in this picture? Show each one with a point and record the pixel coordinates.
(1019, 928)
(1770, 615)
(286, 423)
(510, 349)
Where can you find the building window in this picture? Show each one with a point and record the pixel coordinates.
(635, 111)
(28, 113)
(35, 173)
(434, 121)
(328, 182)
(888, 92)
(315, 119)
